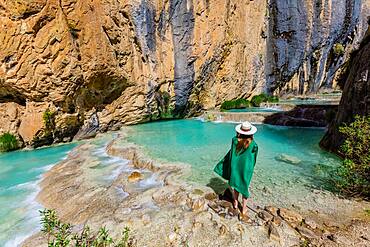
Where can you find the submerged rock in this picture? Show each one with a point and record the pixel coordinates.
(288, 159)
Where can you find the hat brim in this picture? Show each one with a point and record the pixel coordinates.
(252, 131)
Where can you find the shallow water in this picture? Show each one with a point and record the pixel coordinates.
(309, 102)
(20, 173)
(203, 144)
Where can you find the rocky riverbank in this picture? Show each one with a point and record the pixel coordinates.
(163, 209)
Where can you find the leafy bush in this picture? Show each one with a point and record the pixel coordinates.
(258, 99)
(355, 170)
(8, 142)
(61, 235)
(338, 49)
(235, 104)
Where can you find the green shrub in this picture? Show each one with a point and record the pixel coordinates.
(258, 99)
(48, 118)
(61, 235)
(338, 49)
(354, 172)
(235, 104)
(8, 142)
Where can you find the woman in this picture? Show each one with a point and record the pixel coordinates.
(238, 165)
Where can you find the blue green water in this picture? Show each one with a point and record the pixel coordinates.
(309, 102)
(203, 144)
(200, 144)
(20, 172)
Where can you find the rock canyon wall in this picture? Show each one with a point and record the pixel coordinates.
(356, 95)
(74, 67)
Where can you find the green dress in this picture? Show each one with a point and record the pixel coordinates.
(238, 168)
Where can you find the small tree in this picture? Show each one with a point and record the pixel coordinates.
(355, 170)
(8, 142)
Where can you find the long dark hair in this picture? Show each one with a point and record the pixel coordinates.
(243, 142)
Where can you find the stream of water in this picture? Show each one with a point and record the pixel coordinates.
(20, 173)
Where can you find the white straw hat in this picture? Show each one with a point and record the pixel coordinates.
(246, 128)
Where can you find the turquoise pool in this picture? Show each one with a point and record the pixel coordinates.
(20, 172)
(290, 162)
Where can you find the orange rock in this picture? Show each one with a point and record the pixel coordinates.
(134, 177)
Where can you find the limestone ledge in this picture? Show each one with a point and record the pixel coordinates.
(172, 212)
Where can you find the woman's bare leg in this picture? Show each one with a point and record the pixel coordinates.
(244, 209)
(236, 196)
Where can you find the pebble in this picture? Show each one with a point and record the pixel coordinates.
(222, 230)
(172, 237)
(134, 177)
(146, 219)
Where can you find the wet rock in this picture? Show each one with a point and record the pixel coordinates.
(266, 216)
(290, 216)
(134, 177)
(288, 159)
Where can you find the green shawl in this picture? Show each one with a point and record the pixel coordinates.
(238, 168)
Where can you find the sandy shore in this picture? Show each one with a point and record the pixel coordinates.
(162, 209)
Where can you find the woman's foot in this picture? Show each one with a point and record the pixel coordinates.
(235, 204)
(244, 218)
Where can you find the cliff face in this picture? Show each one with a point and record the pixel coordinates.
(130, 61)
(309, 40)
(356, 95)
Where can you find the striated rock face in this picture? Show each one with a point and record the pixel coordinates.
(309, 40)
(356, 97)
(130, 61)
